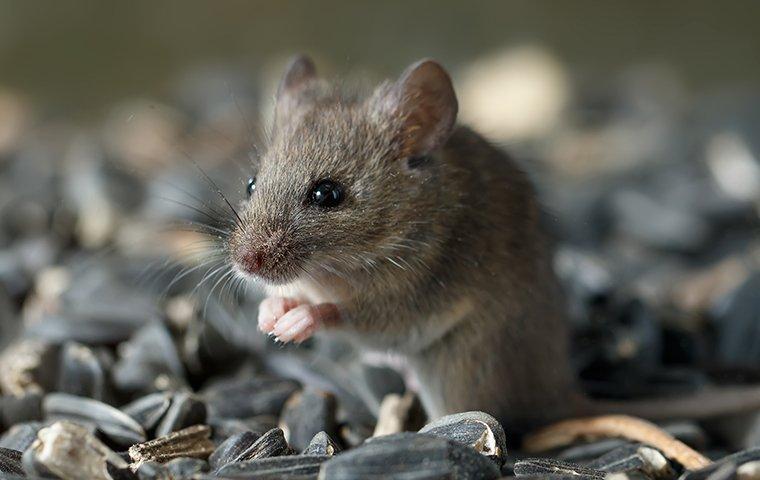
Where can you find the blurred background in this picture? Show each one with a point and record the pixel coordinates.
(639, 120)
(80, 57)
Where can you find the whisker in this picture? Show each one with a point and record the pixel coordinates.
(185, 273)
(226, 275)
(208, 275)
(203, 202)
(214, 187)
(197, 227)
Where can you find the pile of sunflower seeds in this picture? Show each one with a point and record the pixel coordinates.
(116, 363)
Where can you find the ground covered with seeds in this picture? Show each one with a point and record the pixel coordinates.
(125, 355)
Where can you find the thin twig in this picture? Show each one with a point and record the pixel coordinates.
(623, 426)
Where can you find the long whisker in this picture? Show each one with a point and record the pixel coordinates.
(210, 273)
(193, 208)
(210, 292)
(212, 208)
(187, 272)
(202, 228)
(212, 184)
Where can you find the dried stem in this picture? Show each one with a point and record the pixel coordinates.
(623, 426)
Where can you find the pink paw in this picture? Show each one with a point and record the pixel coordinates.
(271, 309)
(301, 322)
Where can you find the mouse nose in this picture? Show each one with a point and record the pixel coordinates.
(251, 261)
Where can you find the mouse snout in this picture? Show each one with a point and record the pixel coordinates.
(251, 261)
(258, 256)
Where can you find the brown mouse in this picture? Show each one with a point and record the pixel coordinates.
(378, 218)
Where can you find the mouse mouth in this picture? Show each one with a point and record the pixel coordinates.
(271, 266)
(275, 274)
(267, 255)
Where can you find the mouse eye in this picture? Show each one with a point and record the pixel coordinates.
(418, 161)
(326, 194)
(251, 186)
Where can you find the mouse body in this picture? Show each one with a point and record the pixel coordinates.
(381, 220)
(377, 218)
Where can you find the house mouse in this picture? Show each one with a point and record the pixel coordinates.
(381, 220)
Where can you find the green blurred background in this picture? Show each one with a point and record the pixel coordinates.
(75, 58)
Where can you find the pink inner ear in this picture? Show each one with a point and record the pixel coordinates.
(428, 104)
(299, 72)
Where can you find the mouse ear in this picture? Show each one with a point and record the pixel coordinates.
(299, 73)
(423, 99)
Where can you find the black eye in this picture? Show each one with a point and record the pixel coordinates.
(251, 186)
(326, 194)
(417, 162)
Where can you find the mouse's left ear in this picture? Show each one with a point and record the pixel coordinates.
(299, 73)
(423, 103)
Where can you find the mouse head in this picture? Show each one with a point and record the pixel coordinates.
(345, 181)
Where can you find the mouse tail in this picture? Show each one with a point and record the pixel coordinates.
(707, 403)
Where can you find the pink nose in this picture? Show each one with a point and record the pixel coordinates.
(251, 261)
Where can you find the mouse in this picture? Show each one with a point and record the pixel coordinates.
(380, 220)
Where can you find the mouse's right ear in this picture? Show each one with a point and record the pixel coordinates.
(299, 73)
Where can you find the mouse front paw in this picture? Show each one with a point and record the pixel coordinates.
(301, 322)
(272, 309)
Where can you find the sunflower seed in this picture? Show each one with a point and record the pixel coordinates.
(330, 375)
(270, 444)
(148, 355)
(249, 397)
(28, 366)
(114, 424)
(10, 462)
(17, 409)
(475, 429)
(395, 413)
(542, 466)
(72, 453)
(407, 456)
(231, 449)
(208, 344)
(81, 372)
(634, 458)
(153, 471)
(190, 442)
(322, 444)
(307, 413)
(185, 467)
(185, 410)
(275, 468)
(101, 326)
(148, 410)
(20, 436)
